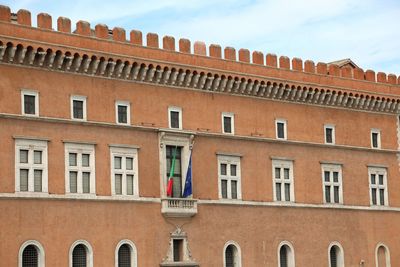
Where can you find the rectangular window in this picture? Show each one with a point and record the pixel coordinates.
(177, 245)
(228, 123)
(30, 103)
(31, 166)
(332, 183)
(79, 168)
(175, 117)
(329, 134)
(378, 186)
(122, 109)
(375, 138)
(282, 173)
(124, 172)
(177, 169)
(229, 177)
(78, 107)
(281, 131)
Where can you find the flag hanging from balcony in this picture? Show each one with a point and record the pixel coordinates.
(188, 183)
(171, 174)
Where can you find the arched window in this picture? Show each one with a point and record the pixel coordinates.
(125, 254)
(335, 255)
(31, 254)
(286, 255)
(382, 256)
(81, 254)
(232, 255)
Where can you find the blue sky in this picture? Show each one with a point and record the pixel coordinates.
(364, 30)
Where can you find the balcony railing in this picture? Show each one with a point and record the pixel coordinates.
(178, 207)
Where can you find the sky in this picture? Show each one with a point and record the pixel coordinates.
(367, 31)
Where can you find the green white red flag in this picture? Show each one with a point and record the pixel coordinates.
(171, 174)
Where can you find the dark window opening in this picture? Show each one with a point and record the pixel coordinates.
(280, 129)
(79, 256)
(29, 104)
(122, 114)
(283, 256)
(178, 249)
(174, 117)
(30, 257)
(124, 256)
(375, 140)
(328, 135)
(227, 124)
(333, 256)
(229, 256)
(77, 109)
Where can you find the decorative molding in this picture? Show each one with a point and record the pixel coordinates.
(190, 77)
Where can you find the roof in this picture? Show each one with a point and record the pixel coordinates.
(344, 62)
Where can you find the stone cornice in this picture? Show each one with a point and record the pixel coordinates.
(120, 67)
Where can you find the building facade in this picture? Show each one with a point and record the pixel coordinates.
(290, 163)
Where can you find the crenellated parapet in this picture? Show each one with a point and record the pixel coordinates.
(183, 63)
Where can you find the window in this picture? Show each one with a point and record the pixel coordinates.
(124, 171)
(335, 255)
(81, 254)
(78, 107)
(176, 172)
(175, 117)
(31, 254)
(332, 183)
(329, 134)
(80, 168)
(382, 256)
(229, 177)
(375, 138)
(232, 257)
(31, 165)
(30, 103)
(285, 255)
(281, 131)
(378, 186)
(228, 123)
(282, 171)
(122, 112)
(180, 145)
(125, 254)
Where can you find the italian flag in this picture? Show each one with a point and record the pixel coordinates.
(171, 174)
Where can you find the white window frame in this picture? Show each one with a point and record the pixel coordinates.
(378, 132)
(176, 109)
(89, 252)
(133, 252)
(237, 258)
(25, 92)
(126, 104)
(80, 149)
(332, 168)
(284, 128)
(227, 159)
(340, 257)
(40, 251)
(125, 152)
(228, 115)
(332, 127)
(171, 139)
(387, 254)
(378, 171)
(84, 106)
(277, 163)
(291, 255)
(31, 145)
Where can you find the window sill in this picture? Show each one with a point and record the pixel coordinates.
(179, 264)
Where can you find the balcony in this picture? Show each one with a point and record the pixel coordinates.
(178, 207)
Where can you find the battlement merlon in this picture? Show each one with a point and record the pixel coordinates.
(19, 26)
